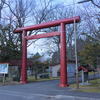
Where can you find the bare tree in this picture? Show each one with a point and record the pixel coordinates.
(20, 10)
(96, 3)
(60, 12)
(91, 19)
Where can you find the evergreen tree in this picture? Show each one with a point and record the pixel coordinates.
(90, 54)
(37, 65)
(9, 44)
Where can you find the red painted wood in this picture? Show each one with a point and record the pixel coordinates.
(62, 24)
(57, 33)
(24, 59)
(84, 69)
(48, 24)
(63, 56)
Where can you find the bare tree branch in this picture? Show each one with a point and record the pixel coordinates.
(95, 4)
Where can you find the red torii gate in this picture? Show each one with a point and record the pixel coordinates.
(62, 34)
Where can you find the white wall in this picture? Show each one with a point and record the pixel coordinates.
(54, 70)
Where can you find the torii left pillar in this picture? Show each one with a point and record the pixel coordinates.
(24, 59)
(63, 58)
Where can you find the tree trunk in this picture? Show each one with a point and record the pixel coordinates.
(19, 73)
(31, 70)
(35, 75)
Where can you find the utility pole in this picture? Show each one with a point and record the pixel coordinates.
(77, 84)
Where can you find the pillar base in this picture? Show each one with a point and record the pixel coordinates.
(23, 82)
(63, 85)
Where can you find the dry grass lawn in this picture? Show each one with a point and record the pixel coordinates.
(94, 87)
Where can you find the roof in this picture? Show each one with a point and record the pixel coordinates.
(86, 68)
(18, 62)
(69, 61)
(5, 63)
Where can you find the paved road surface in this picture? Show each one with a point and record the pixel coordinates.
(45, 91)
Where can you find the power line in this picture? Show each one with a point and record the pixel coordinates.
(70, 4)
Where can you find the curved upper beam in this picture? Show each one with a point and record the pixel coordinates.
(48, 24)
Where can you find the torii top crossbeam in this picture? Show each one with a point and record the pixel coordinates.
(48, 24)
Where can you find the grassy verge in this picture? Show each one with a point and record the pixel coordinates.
(8, 81)
(90, 73)
(94, 87)
(32, 79)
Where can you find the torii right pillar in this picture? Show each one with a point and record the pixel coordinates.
(63, 58)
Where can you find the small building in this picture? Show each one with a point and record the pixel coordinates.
(17, 63)
(85, 69)
(71, 67)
